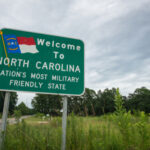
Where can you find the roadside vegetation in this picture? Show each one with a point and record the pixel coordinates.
(88, 104)
(120, 130)
(108, 132)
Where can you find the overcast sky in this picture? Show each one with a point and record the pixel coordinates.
(116, 34)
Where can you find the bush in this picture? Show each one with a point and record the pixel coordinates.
(39, 115)
(17, 115)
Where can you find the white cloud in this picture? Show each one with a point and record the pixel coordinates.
(116, 34)
(25, 97)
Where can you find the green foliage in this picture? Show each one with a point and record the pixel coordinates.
(88, 104)
(39, 115)
(140, 100)
(17, 115)
(13, 101)
(95, 104)
(91, 103)
(119, 103)
(47, 104)
(106, 100)
(24, 109)
(108, 132)
(83, 105)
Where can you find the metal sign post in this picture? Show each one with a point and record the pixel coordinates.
(64, 123)
(4, 119)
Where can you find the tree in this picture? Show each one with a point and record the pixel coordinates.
(89, 98)
(23, 109)
(17, 115)
(75, 104)
(106, 100)
(119, 103)
(13, 101)
(140, 100)
(47, 104)
(84, 104)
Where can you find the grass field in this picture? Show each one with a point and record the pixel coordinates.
(108, 132)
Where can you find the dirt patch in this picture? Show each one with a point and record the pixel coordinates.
(42, 122)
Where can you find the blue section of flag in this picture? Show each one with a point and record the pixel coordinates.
(11, 44)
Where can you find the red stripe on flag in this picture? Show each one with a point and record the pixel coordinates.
(27, 41)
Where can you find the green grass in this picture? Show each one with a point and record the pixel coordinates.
(109, 132)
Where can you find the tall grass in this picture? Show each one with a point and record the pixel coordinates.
(108, 132)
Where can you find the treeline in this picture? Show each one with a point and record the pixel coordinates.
(90, 103)
(24, 110)
(12, 104)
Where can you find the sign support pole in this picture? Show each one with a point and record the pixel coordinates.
(4, 119)
(64, 123)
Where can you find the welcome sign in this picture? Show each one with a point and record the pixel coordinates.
(41, 63)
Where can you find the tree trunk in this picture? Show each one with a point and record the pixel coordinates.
(86, 111)
(93, 110)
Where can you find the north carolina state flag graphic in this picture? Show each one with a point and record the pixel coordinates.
(20, 44)
(27, 45)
